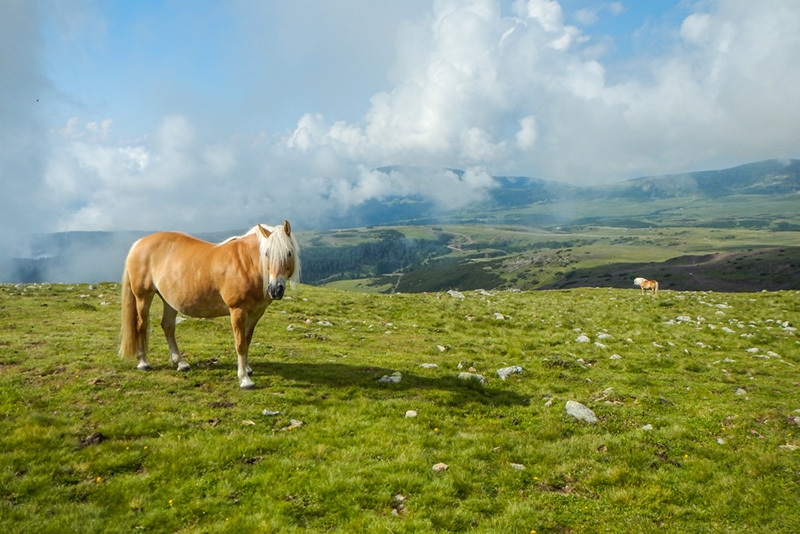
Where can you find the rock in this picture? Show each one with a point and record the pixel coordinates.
(518, 467)
(601, 345)
(580, 412)
(441, 348)
(455, 294)
(583, 338)
(603, 335)
(647, 427)
(471, 377)
(740, 392)
(499, 316)
(438, 468)
(788, 447)
(411, 413)
(94, 438)
(615, 357)
(393, 378)
(506, 371)
(270, 413)
(429, 366)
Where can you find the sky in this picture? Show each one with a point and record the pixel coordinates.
(217, 114)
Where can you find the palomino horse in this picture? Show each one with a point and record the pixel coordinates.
(645, 284)
(239, 277)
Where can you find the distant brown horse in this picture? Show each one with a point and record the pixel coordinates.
(645, 284)
(239, 277)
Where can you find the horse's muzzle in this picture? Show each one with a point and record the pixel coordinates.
(276, 291)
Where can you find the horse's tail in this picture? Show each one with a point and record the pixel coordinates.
(655, 287)
(129, 331)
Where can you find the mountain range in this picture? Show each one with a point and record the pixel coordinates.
(764, 193)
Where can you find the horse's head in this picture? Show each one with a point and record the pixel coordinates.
(280, 259)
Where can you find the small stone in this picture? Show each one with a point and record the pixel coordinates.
(740, 392)
(270, 413)
(647, 427)
(506, 371)
(441, 348)
(438, 468)
(499, 316)
(580, 412)
(455, 294)
(518, 467)
(471, 377)
(429, 366)
(411, 413)
(788, 447)
(393, 378)
(615, 357)
(583, 338)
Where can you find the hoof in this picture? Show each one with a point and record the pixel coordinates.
(143, 366)
(246, 383)
(183, 366)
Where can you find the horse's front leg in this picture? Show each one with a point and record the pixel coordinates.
(168, 326)
(242, 341)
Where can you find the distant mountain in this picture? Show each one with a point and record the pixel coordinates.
(516, 200)
(772, 177)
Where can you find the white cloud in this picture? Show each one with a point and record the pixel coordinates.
(470, 87)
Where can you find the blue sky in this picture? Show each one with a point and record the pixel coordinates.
(212, 115)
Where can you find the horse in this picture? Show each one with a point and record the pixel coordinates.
(645, 284)
(238, 277)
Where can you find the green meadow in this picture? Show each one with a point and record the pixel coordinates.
(696, 396)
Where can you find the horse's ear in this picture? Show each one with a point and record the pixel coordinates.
(264, 231)
(287, 227)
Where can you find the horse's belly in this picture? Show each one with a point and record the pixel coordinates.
(201, 306)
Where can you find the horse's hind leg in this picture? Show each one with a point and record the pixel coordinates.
(168, 320)
(143, 303)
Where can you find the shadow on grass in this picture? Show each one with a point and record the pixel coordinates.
(366, 378)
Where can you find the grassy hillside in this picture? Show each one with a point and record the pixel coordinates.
(696, 396)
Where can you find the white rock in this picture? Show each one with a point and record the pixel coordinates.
(583, 338)
(455, 294)
(411, 413)
(615, 357)
(647, 427)
(429, 366)
(393, 378)
(440, 467)
(471, 377)
(506, 371)
(580, 412)
(518, 467)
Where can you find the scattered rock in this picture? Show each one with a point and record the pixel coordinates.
(583, 338)
(438, 468)
(518, 467)
(615, 357)
(740, 392)
(604, 335)
(398, 504)
(393, 378)
(455, 294)
(270, 413)
(95, 438)
(788, 447)
(411, 413)
(429, 366)
(441, 348)
(506, 371)
(580, 412)
(647, 427)
(471, 377)
(499, 316)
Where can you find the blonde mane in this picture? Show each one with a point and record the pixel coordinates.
(277, 248)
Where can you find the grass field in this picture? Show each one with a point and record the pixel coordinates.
(697, 396)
